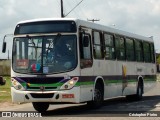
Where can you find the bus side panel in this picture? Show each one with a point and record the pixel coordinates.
(111, 90)
(86, 84)
(86, 93)
(129, 81)
(149, 77)
(107, 69)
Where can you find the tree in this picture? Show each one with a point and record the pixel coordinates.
(158, 59)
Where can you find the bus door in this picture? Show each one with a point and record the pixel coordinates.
(86, 53)
(86, 61)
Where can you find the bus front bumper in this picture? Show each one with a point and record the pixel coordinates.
(71, 96)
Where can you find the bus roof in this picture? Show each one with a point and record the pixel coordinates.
(114, 30)
(47, 19)
(94, 26)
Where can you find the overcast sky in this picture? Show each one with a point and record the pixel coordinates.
(135, 16)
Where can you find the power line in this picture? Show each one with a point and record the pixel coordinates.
(81, 10)
(71, 6)
(74, 7)
(62, 14)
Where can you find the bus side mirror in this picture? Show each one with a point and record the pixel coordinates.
(4, 43)
(4, 47)
(86, 41)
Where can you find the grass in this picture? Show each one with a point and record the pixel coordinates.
(5, 91)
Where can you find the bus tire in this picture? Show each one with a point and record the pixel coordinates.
(98, 97)
(138, 96)
(139, 93)
(40, 106)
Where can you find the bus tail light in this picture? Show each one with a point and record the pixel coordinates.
(17, 85)
(69, 84)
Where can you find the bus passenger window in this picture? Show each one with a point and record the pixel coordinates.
(139, 51)
(86, 47)
(109, 46)
(152, 53)
(147, 52)
(120, 48)
(130, 55)
(98, 54)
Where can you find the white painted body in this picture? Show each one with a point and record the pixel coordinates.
(99, 69)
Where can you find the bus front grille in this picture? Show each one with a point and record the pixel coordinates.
(45, 95)
(38, 88)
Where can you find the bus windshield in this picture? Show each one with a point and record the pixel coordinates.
(44, 55)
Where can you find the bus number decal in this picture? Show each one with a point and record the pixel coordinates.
(23, 63)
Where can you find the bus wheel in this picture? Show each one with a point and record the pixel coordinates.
(98, 97)
(139, 94)
(40, 106)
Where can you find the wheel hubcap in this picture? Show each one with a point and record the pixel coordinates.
(97, 95)
(140, 91)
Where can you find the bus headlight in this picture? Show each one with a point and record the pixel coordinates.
(69, 84)
(17, 85)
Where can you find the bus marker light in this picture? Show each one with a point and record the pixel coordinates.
(67, 95)
(15, 83)
(66, 86)
(71, 82)
(19, 87)
(75, 78)
(28, 84)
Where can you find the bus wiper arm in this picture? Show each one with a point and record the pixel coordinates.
(31, 40)
(50, 44)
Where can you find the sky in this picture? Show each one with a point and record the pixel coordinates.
(136, 16)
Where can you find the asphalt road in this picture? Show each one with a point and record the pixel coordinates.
(117, 107)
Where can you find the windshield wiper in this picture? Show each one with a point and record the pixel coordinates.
(57, 37)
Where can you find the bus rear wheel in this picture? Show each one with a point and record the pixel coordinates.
(138, 95)
(98, 97)
(40, 106)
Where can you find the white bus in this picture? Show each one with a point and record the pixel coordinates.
(75, 61)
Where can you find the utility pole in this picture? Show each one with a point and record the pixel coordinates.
(62, 15)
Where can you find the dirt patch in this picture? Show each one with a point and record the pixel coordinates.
(4, 105)
(7, 106)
